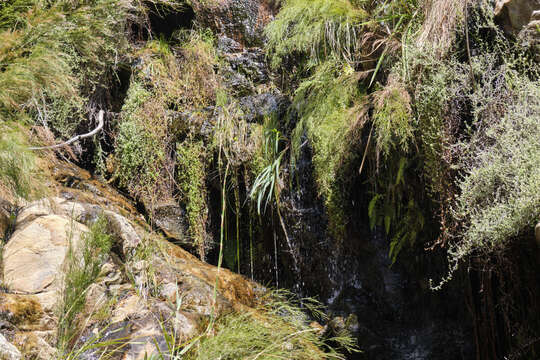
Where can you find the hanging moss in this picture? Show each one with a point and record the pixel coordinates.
(326, 104)
(191, 175)
(319, 29)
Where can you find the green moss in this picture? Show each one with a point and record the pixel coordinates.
(139, 150)
(191, 182)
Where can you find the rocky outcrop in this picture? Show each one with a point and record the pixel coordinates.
(170, 218)
(146, 286)
(530, 35)
(34, 255)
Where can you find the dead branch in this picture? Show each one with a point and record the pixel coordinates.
(76, 138)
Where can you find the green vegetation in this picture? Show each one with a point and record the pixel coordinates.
(498, 196)
(146, 135)
(339, 45)
(279, 328)
(317, 29)
(191, 181)
(83, 264)
(328, 104)
(54, 54)
(17, 163)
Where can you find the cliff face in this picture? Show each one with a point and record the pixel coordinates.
(365, 153)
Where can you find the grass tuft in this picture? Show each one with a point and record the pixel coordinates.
(83, 264)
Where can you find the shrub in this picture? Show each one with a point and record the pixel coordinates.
(147, 133)
(140, 149)
(499, 197)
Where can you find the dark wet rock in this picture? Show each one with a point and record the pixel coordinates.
(241, 20)
(227, 45)
(171, 219)
(256, 107)
(397, 316)
(245, 71)
(530, 35)
(250, 63)
(194, 122)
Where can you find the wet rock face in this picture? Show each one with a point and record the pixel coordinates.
(256, 107)
(171, 219)
(241, 20)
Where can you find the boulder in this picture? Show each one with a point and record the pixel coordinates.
(8, 351)
(34, 255)
(513, 15)
(37, 345)
(124, 232)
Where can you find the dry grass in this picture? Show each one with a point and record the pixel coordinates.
(442, 19)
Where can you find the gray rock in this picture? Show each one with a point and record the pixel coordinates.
(7, 350)
(513, 15)
(34, 255)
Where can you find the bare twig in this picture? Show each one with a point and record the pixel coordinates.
(76, 138)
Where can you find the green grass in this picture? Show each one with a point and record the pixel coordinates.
(54, 54)
(317, 28)
(278, 329)
(83, 264)
(17, 163)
